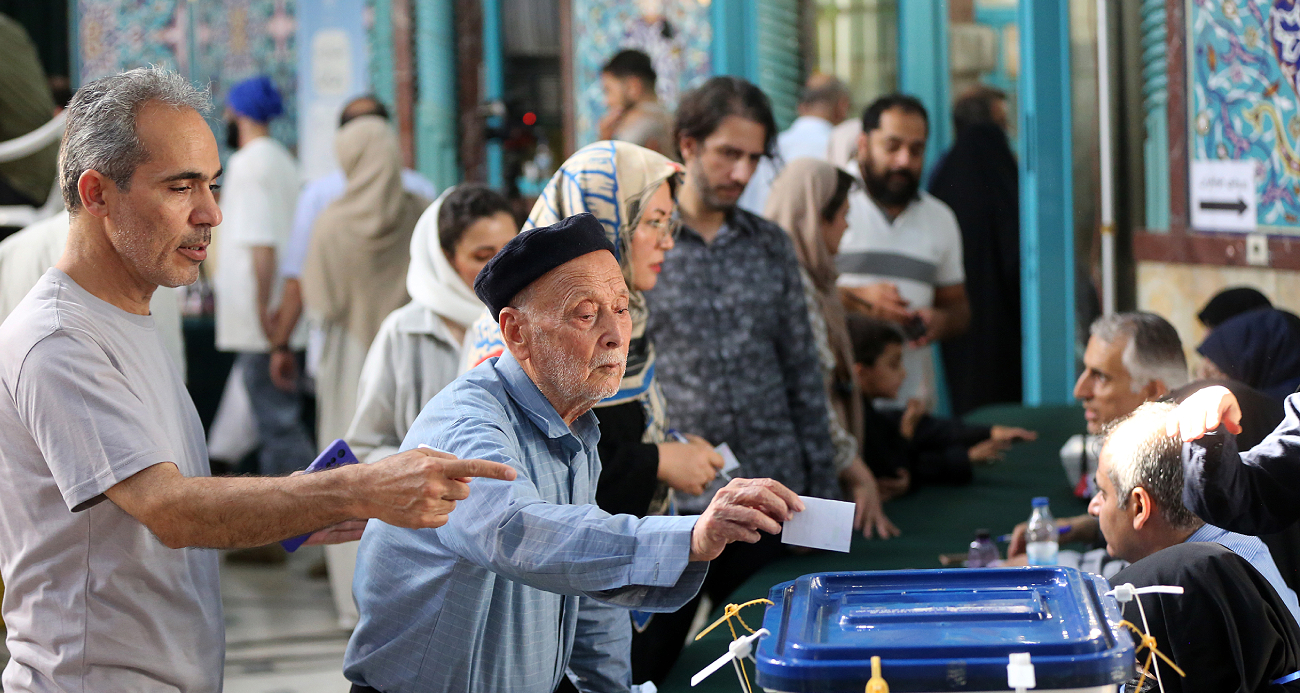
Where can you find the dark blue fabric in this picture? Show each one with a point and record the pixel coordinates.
(1253, 492)
(535, 252)
(256, 98)
(1260, 348)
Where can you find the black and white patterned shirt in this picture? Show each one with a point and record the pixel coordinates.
(737, 359)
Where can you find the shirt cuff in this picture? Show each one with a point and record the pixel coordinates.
(663, 550)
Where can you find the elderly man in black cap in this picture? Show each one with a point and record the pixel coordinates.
(529, 578)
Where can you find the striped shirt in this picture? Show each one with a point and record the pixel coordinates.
(1257, 554)
(918, 251)
(527, 577)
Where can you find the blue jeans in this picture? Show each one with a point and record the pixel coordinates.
(286, 443)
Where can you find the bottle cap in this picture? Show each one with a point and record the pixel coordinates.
(982, 534)
(1040, 502)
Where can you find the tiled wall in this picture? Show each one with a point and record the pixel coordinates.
(215, 41)
(675, 33)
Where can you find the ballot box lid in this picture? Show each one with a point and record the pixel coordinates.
(942, 630)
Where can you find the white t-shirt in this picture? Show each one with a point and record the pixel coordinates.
(258, 197)
(918, 252)
(93, 600)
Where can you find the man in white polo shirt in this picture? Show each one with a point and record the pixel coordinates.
(901, 257)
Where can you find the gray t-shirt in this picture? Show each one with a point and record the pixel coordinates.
(93, 600)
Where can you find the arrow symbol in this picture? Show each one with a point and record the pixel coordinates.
(1239, 206)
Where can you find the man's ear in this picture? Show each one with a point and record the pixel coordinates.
(93, 188)
(512, 323)
(1154, 390)
(864, 145)
(688, 146)
(1143, 508)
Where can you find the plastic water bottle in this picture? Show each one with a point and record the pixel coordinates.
(983, 552)
(1041, 540)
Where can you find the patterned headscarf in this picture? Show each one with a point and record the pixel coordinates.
(613, 181)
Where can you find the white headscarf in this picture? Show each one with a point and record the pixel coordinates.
(431, 280)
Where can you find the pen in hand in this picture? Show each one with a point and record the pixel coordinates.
(677, 437)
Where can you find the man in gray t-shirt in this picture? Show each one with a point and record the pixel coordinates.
(108, 516)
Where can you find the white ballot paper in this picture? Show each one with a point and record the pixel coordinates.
(824, 524)
(729, 462)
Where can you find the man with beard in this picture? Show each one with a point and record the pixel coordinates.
(737, 359)
(901, 257)
(532, 577)
(108, 516)
(633, 112)
(257, 203)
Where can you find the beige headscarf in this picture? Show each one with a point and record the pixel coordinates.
(355, 273)
(799, 194)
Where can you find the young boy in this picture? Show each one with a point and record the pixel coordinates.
(911, 447)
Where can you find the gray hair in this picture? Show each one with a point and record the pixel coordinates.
(1143, 454)
(1154, 351)
(829, 91)
(100, 132)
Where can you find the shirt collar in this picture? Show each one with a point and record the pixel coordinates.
(539, 410)
(1206, 533)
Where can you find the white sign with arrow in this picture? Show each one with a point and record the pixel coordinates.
(1223, 195)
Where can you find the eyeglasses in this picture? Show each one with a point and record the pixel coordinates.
(665, 229)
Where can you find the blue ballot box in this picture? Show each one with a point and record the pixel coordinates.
(943, 630)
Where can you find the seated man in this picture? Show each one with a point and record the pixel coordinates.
(1139, 501)
(1227, 631)
(531, 578)
(1131, 358)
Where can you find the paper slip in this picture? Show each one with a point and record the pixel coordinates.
(729, 462)
(824, 524)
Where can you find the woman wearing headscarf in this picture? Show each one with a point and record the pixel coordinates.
(809, 199)
(417, 350)
(1260, 348)
(1227, 631)
(630, 189)
(1230, 303)
(352, 280)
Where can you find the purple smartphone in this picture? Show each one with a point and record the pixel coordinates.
(338, 454)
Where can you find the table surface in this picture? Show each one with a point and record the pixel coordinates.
(934, 520)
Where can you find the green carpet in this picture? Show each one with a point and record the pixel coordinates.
(933, 521)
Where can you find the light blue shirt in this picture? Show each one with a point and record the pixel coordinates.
(315, 197)
(527, 576)
(1257, 554)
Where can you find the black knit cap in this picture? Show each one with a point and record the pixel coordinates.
(535, 252)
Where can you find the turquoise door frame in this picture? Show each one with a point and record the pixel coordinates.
(735, 26)
(435, 109)
(494, 81)
(1046, 203)
(923, 68)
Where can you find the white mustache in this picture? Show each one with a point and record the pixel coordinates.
(611, 360)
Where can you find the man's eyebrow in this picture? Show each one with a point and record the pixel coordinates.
(192, 175)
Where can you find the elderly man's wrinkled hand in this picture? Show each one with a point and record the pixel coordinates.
(1203, 412)
(738, 512)
(418, 488)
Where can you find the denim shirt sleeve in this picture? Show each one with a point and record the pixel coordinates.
(507, 528)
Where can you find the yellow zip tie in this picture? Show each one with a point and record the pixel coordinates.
(877, 683)
(733, 610)
(1149, 642)
(727, 613)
